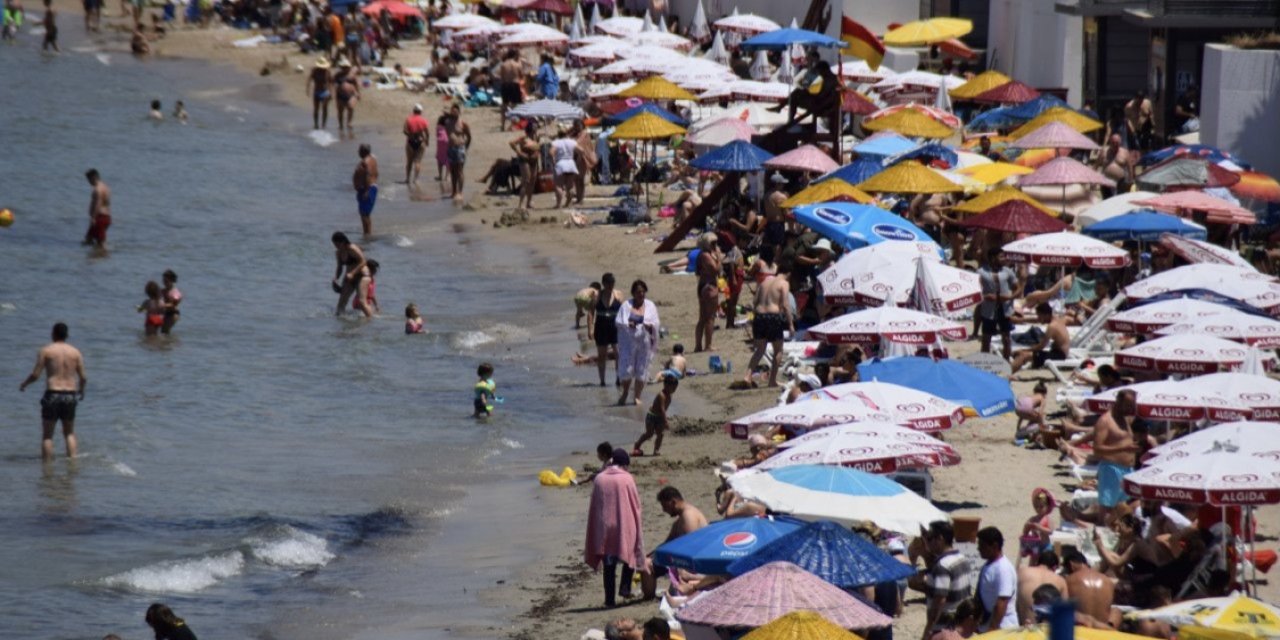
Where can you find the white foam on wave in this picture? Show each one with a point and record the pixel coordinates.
(123, 469)
(6, 307)
(180, 576)
(468, 340)
(231, 108)
(402, 241)
(292, 548)
(322, 138)
(502, 332)
(511, 444)
(104, 59)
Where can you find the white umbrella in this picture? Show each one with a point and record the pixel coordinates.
(886, 430)
(893, 270)
(1221, 475)
(1250, 287)
(907, 406)
(1066, 249)
(805, 415)
(609, 90)
(849, 446)
(717, 53)
(662, 24)
(1256, 331)
(1116, 205)
(598, 52)
(618, 70)
(846, 496)
(594, 25)
(1248, 437)
(661, 39)
(620, 26)
(474, 34)
(594, 39)
(700, 77)
(546, 109)
(753, 91)
(1199, 251)
(786, 71)
(721, 132)
(647, 25)
(892, 324)
(920, 79)
(747, 24)
(942, 101)
(760, 66)
(1182, 354)
(859, 71)
(578, 27)
(528, 34)
(1255, 391)
(1172, 400)
(698, 29)
(460, 21)
(1157, 315)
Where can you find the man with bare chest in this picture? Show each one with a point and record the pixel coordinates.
(365, 181)
(1115, 448)
(509, 74)
(99, 210)
(459, 143)
(63, 368)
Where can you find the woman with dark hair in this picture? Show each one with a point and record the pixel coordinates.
(167, 625)
(527, 151)
(637, 324)
(601, 315)
(355, 280)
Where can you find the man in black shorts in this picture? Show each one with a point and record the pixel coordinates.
(510, 72)
(999, 288)
(63, 367)
(772, 318)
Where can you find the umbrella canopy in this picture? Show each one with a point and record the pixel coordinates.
(1069, 117)
(558, 7)
(945, 117)
(746, 23)
(900, 273)
(928, 152)
(1012, 92)
(699, 29)
(1257, 392)
(1065, 249)
(1041, 632)
(1216, 209)
(1029, 110)
(1183, 354)
(1255, 331)
(1055, 135)
(1172, 400)
(882, 145)
(1115, 205)
(657, 88)
(994, 172)
(840, 494)
(1186, 172)
(893, 324)
(836, 190)
(858, 71)
(808, 625)
(783, 39)
(804, 416)
(909, 122)
(923, 32)
(619, 26)
(714, 547)
(622, 117)
(577, 28)
(860, 170)
(661, 39)
(761, 596)
(1148, 318)
(459, 21)
(1143, 225)
(830, 552)
(739, 155)
(1064, 171)
(1247, 436)
(857, 104)
(1235, 612)
(805, 158)
(981, 83)
(1016, 216)
(999, 196)
(909, 177)
(1199, 251)
(992, 120)
(1258, 186)
(527, 34)
(854, 225)
(645, 126)
(985, 393)
(1220, 476)
(1212, 154)
(722, 132)
(546, 109)
(871, 428)
(873, 454)
(917, 409)
(917, 79)
(398, 10)
(1243, 285)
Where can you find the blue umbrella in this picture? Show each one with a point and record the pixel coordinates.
(1212, 154)
(738, 155)
(853, 226)
(784, 38)
(711, 548)
(881, 147)
(1033, 108)
(1144, 225)
(930, 150)
(854, 172)
(994, 119)
(830, 552)
(987, 394)
(645, 108)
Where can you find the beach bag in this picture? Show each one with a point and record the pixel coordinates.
(546, 183)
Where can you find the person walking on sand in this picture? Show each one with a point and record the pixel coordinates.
(459, 144)
(637, 324)
(415, 143)
(99, 210)
(772, 317)
(50, 28)
(318, 84)
(563, 151)
(615, 534)
(527, 153)
(365, 181)
(63, 367)
(510, 73)
(656, 421)
(601, 317)
(584, 156)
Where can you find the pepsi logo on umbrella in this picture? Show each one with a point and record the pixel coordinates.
(740, 540)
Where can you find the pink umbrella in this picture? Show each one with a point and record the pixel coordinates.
(1217, 209)
(722, 132)
(1064, 171)
(1220, 475)
(1184, 354)
(1066, 249)
(1173, 400)
(1158, 315)
(1252, 330)
(806, 158)
(1259, 393)
(903, 326)
(949, 119)
(1250, 287)
(910, 407)
(1055, 135)
(1199, 251)
(763, 595)
(804, 416)
(897, 272)
(1250, 437)
(864, 452)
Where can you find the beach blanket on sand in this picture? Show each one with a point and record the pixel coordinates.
(613, 520)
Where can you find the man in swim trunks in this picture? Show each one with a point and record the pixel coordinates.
(63, 367)
(415, 143)
(459, 143)
(510, 73)
(1053, 346)
(99, 210)
(365, 181)
(318, 84)
(50, 28)
(772, 317)
(1114, 445)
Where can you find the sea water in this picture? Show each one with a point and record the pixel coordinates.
(269, 470)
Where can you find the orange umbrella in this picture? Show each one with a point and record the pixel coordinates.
(1256, 185)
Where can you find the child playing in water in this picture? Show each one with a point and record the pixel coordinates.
(582, 301)
(413, 322)
(1030, 409)
(154, 308)
(372, 296)
(172, 298)
(675, 364)
(655, 421)
(156, 113)
(180, 111)
(486, 391)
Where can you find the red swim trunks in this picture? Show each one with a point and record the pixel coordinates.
(98, 230)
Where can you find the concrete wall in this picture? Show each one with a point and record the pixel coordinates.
(874, 14)
(1240, 104)
(1028, 41)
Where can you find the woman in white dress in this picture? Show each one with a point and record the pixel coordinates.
(563, 151)
(637, 323)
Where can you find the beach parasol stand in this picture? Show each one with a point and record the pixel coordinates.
(647, 126)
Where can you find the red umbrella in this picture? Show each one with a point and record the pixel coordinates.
(856, 103)
(559, 7)
(957, 49)
(1008, 93)
(397, 9)
(1016, 216)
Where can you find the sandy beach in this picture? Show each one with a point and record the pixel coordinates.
(559, 597)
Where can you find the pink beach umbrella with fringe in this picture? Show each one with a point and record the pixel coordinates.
(1066, 249)
(1216, 209)
(1064, 171)
(1183, 354)
(1055, 135)
(806, 158)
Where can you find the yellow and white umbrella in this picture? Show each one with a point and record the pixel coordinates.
(1236, 612)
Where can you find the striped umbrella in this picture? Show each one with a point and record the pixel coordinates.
(1216, 209)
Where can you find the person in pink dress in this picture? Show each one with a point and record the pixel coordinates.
(614, 533)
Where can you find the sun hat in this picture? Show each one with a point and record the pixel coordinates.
(323, 63)
(822, 244)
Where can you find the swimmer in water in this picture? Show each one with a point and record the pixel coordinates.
(486, 391)
(172, 298)
(156, 114)
(180, 111)
(153, 306)
(413, 322)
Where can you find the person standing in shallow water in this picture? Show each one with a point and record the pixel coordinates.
(50, 28)
(365, 181)
(318, 87)
(415, 144)
(63, 367)
(99, 210)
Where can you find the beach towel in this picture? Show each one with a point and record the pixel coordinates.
(613, 520)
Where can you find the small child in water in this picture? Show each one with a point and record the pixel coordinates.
(582, 301)
(485, 391)
(373, 287)
(180, 111)
(153, 307)
(413, 322)
(156, 113)
(1030, 409)
(655, 421)
(172, 298)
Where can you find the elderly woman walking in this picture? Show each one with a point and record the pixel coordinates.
(637, 323)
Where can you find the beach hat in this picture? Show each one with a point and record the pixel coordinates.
(822, 244)
(621, 458)
(777, 178)
(417, 108)
(323, 63)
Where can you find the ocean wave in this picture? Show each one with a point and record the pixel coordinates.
(123, 469)
(104, 59)
(180, 576)
(292, 548)
(322, 138)
(511, 444)
(402, 241)
(470, 340)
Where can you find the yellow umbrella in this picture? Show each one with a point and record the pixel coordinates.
(985, 81)
(994, 172)
(645, 126)
(909, 122)
(909, 177)
(1069, 117)
(801, 625)
(1041, 632)
(1191, 632)
(922, 32)
(657, 88)
(831, 190)
(1212, 616)
(999, 196)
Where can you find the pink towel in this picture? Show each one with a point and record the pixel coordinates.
(614, 520)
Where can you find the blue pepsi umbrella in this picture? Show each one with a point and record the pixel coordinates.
(1144, 225)
(830, 552)
(881, 147)
(647, 107)
(985, 393)
(1030, 109)
(855, 172)
(784, 38)
(738, 155)
(930, 150)
(994, 119)
(853, 226)
(711, 548)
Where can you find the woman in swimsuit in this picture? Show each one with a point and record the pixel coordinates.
(172, 298)
(348, 87)
(708, 291)
(355, 280)
(600, 324)
(154, 308)
(527, 150)
(763, 266)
